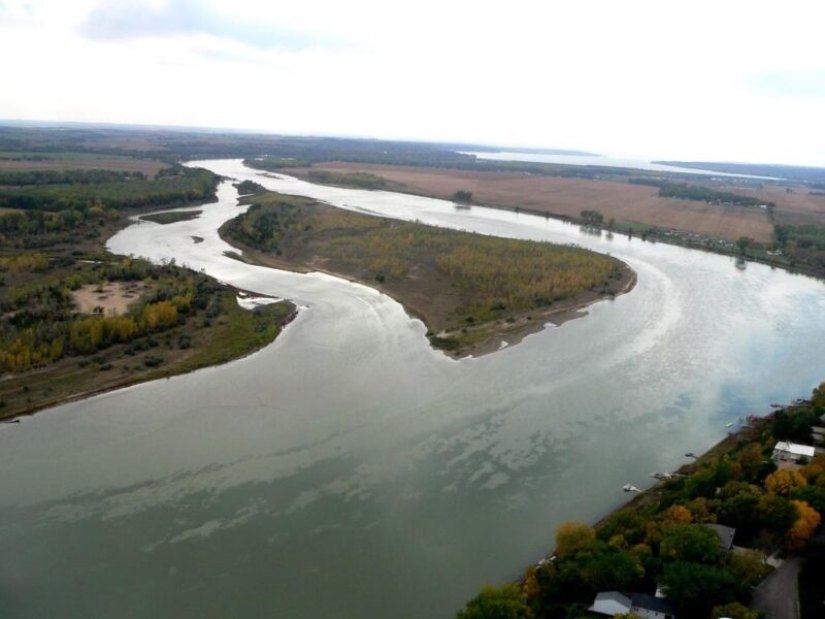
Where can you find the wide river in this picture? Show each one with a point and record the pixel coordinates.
(348, 470)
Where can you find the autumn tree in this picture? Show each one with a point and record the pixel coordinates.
(572, 537)
(806, 523)
(784, 481)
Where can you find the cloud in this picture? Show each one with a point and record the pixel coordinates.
(802, 83)
(136, 19)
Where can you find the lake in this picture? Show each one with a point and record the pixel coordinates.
(604, 161)
(350, 471)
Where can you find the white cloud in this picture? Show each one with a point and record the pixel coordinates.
(701, 80)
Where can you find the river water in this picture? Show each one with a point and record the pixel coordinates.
(348, 470)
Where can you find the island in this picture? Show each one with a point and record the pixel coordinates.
(476, 294)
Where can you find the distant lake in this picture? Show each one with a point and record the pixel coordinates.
(589, 160)
(349, 471)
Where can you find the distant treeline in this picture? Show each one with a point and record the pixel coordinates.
(699, 193)
(281, 152)
(175, 185)
(66, 177)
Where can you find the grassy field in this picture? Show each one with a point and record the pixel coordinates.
(472, 291)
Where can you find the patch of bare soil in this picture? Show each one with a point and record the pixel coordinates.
(113, 298)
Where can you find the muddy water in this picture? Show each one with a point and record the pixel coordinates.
(350, 471)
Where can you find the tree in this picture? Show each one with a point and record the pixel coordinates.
(506, 602)
(738, 508)
(678, 514)
(805, 525)
(696, 588)
(748, 566)
(571, 537)
(592, 218)
(784, 481)
(776, 514)
(689, 542)
(743, 242)
(612, 570)
(463, 197)
(734, 610)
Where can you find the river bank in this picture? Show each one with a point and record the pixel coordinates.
(678, 535)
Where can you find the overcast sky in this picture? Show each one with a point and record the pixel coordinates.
(721, 80)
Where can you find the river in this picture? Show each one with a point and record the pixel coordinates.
(348, 470)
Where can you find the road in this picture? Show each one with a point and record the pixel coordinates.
(778, 595)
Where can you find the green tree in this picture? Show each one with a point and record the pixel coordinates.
(748, 566)
(696, 588)
(743, 242)
(689, 542)
(506, 602)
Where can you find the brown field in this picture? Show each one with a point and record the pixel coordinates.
(96, 162)
(568, 197)
(794, 205)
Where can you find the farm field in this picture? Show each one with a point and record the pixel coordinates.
(21, 162)
(568, 197)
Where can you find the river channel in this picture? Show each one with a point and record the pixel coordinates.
(350, 471)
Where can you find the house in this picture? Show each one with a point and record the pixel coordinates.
(786, 451)
(725, 535)
(646, 606)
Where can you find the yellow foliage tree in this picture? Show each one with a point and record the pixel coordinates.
(677, 514)
(572, 537)
(784, 481)
(805, 525)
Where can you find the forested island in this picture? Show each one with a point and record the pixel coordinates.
(472, 291)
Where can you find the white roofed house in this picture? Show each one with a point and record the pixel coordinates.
(646, 606)
(792, 452)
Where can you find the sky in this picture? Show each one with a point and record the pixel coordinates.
(699, 80)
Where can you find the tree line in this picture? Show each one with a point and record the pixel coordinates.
(66, 177)
(699, 193)
(175, 185)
